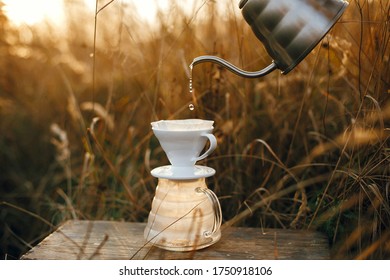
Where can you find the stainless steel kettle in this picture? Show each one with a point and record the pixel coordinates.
(289, 30)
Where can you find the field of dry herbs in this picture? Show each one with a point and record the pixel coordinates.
(309, 150)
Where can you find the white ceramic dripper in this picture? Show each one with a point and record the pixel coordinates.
(182, 142)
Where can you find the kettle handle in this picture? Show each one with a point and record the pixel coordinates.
(216, 208)
(233, 68)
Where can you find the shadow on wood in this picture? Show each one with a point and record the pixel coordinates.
(110, 240)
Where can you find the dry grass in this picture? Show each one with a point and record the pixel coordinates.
(306, 150)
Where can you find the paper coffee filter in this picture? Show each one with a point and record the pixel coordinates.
(187, 124)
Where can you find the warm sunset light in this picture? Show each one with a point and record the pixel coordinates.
(234, 132)
(33, 12)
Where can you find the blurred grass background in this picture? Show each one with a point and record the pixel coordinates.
(309, 150)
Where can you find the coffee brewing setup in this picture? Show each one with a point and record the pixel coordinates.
(186, 214)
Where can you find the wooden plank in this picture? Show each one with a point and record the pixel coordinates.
(120, 240)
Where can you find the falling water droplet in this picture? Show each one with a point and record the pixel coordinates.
(191, 106)
(190, 80)
(190, 85)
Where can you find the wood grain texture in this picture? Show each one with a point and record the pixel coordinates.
(120, 240)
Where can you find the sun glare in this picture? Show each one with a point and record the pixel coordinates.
(33, 11)
(146, 9)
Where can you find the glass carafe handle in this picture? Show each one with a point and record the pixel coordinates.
(216, 208)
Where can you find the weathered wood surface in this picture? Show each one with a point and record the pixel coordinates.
(120, 240)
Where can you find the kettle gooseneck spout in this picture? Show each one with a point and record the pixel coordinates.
(233, 68)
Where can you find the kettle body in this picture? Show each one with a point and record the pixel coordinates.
(290, 29)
